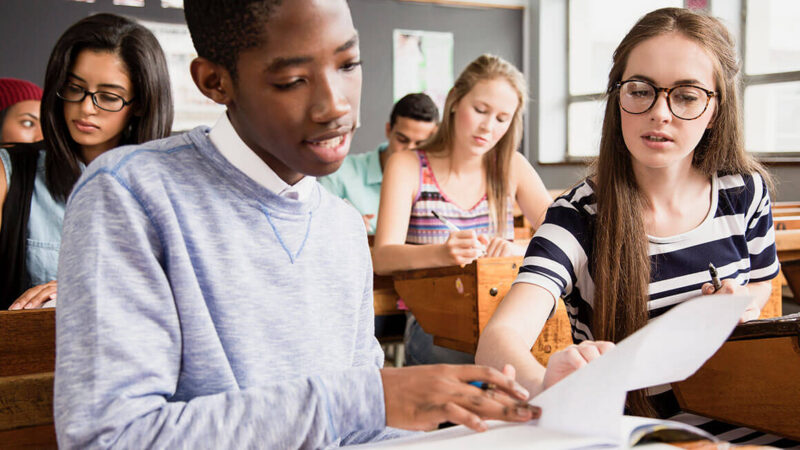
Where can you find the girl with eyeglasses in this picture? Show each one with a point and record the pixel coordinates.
(106, 85)
(671, 191)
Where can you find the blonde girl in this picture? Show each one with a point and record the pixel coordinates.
(469, 172)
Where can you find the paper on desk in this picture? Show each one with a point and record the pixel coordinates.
(508, 436)
(670, 348)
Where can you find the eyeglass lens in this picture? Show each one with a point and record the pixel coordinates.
(685, 102)
(104, 100)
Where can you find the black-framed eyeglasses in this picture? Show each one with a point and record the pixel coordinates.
(107, 101)
(685, 101)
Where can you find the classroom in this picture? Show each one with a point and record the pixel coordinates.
(399, 223)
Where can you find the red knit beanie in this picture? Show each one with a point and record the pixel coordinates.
(13, 91)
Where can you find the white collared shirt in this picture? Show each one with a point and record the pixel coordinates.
(233, 148)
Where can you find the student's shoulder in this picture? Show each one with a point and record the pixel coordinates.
(130, 158)
(143, 160)
(581, 198)
(737, 192)
(405, 161)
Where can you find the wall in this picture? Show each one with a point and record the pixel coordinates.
(475, 30)
(29, 28)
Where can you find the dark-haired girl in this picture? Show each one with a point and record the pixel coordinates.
(106, 85)
(672, 191)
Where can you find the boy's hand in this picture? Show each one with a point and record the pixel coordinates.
(422, 397)
(572, 358)
(36, 296)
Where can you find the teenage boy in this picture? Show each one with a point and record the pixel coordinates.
(413, 120)
(212, 294)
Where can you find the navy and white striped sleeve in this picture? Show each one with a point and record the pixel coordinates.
(558, 250)
(760, 234)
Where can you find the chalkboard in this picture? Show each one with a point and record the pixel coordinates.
(29, 29)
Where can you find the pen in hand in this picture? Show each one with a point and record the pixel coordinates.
(482, 385)
(446, 222)
(452, 227)
(714, 277)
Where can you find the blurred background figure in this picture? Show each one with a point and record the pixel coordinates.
(20, 102)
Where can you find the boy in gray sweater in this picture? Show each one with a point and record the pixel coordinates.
(212, 295)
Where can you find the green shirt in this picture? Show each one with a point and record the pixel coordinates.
(358, 181)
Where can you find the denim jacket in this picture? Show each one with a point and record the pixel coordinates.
(44, 225)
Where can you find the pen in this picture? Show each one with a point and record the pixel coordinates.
(452, 227)
(446, 222)
(482, 385)
(714, 277)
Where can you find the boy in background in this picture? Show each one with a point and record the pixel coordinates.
(412, 121)
(213, 295)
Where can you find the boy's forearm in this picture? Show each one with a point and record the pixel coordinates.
(303, 413)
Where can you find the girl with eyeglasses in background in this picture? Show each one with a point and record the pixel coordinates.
(106, 85)
(671, 191)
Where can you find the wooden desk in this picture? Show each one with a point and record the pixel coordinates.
(788, 244)
(384, 297)
(780, 212)
(786, 222)
(752, 380)
(784, 205)
(454, 304)
(27, 362)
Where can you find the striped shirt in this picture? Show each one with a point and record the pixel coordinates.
(736, 236)
(424, 228)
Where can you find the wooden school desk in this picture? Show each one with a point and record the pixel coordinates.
(27, 362)
(752, 380)
(454, 304)
(788, 243)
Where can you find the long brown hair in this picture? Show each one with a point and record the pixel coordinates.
(496, 161)
(621, 259)
(147, 68)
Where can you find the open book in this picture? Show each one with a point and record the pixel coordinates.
(509, 436)
(585, 409)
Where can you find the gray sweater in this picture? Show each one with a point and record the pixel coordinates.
(197, 309)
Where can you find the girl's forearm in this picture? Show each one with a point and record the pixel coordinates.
(501, 345)
(392, 258)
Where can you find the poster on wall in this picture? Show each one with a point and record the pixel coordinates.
(191, 107)
(423, 62)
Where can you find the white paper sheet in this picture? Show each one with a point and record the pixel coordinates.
(510, 436)
(584, 410)
(669, 349)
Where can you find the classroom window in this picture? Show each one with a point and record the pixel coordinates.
(772, 77)
(594, 31)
